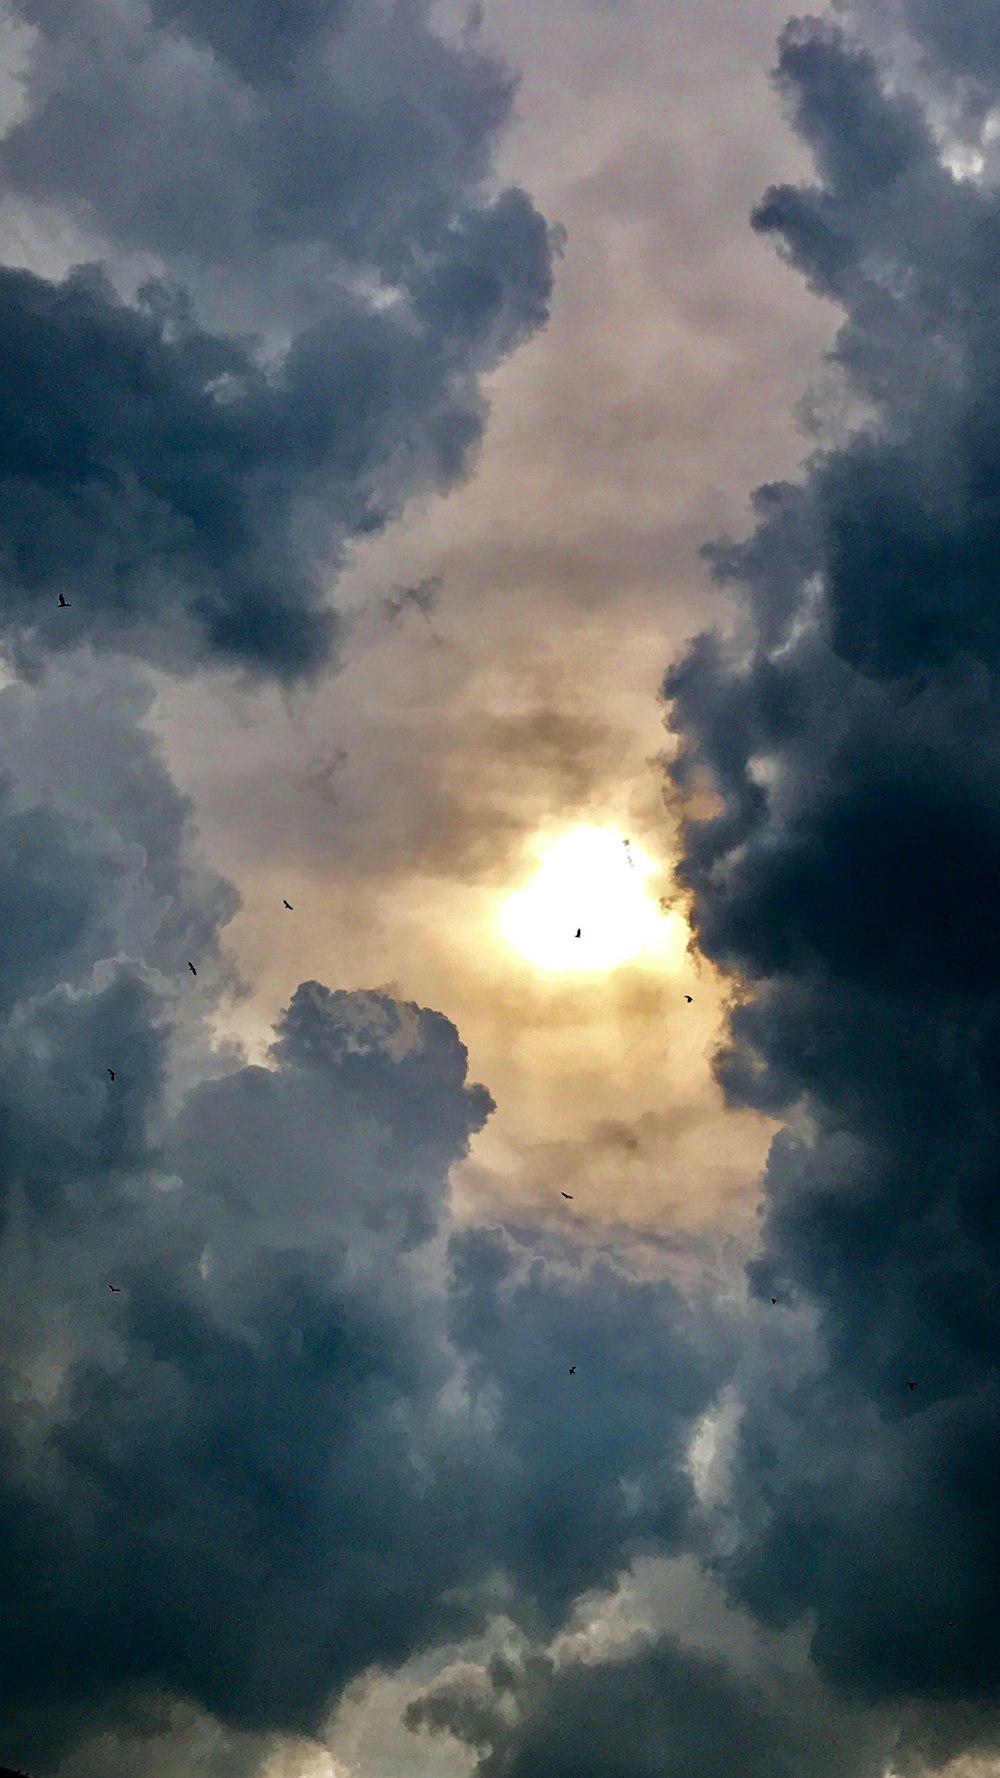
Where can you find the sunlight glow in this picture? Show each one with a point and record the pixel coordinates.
(590, 879)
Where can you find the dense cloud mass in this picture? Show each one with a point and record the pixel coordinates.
(851, 731)
(312, 179)
(661, 1710)
(316, 1429)
(259, 1467)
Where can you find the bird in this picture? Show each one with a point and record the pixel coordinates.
(689, 998)
(774, 1299)
(910, 1385)
(579, 932)
(288, 905)
(116, 1288)
(192, 969)
(112, 1073)
(64, 604)
(568, 1195)
(572, 1370)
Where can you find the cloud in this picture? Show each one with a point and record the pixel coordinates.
(571, 1490)
(171, 513)
(191, 486)
(80, 758)
(257, 1469)
(422, 597)
(320, 1429)
(850, 731)
(235, 1499)
(660, 1710)
(346, 134)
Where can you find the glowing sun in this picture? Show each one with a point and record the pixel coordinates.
(590, 881)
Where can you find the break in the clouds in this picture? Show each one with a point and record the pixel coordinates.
(851, 731)
(191, 487)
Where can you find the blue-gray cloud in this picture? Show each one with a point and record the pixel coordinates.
(318, 1423)
(258, 1467)
(347, 134)
(852, 732)
(658, 1711)
(190, 486)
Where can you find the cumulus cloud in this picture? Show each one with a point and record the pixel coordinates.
(319, 1429)
(192, 486)
(661, 1710)
(850, 730)
(352, 135)
(258, 1469)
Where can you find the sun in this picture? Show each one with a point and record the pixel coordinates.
(590, 881)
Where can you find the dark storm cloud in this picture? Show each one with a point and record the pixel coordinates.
(218, 134)
(584, 1467)
(259, 1467)
(852, 732)
(157, 477)
(189, 488)
(75, 747)
(659, 1711)
(261, 1489)
(958, 49)
(237, 1498)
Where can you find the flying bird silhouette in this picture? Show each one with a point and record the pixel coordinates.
(572, 1370)
(112, 1073)
(579, 932)
(689, 998)
(192, 969)
(63, 603)
(288, 905)
(910, 1385)
(116, 1288)
(568, 1195)
(774, 1299)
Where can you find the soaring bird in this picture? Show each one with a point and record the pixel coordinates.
(689, 998)
(115, 1287)
(289, 906)
(192, 969)
(112, 1073)
(568, 1195)
(63, 603)
(910, 1385)
(579, 932)
(774, 1299)
(572, 1370)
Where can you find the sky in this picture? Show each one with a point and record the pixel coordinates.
(499, 983)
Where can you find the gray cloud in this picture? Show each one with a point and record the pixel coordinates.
(172, 516)
(258, 1469)
(850, 730)
(340, 132)
(81, 760)
(620, 1426)
(660, 1710)
(191, 485)
(318, 1424)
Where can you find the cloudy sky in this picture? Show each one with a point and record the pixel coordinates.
(483, 476)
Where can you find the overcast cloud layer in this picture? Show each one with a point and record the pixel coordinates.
(319, 1429)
